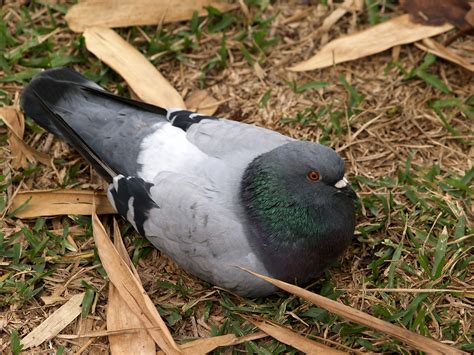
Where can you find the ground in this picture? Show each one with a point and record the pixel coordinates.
(401, 120)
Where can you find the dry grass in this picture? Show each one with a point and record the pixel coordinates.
(390, 143)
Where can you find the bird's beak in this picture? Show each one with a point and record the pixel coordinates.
(341, 183)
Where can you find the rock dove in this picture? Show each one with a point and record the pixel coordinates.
(215, 195)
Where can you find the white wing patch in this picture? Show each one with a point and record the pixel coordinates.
(167, 149)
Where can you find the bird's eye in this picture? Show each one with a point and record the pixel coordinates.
(313, 175)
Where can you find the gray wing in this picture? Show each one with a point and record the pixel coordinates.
(205, 238)
(224, 138)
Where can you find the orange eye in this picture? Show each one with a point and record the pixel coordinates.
(313, 175)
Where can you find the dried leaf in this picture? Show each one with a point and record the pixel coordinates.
(138, 72)
(441, 51)
(120, 316)
(418, 341)
(204, 346)
(200, 101)
(399, 30)
(124, 13)
(297, 341)
(131, 290)
(21, 152)
(469, 18)
(43, 203)
(436, 12)
(56, 322)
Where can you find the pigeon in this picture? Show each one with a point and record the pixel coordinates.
(217, 196)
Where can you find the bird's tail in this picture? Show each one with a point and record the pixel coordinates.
(38, 100)
(96, 123)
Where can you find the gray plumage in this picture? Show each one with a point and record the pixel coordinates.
(213, 194)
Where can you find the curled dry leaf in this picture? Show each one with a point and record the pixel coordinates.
(200, 101)
(295, 340)
(21, 152)
(44, 203)
(130, 289)
(469, 18)
(436, 12)
(56, 322)
(418, 341)
(441, 51)
(124, 13)
(399, 30)
(138, 72)
(121, 317)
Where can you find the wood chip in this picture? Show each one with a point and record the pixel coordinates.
(399, 30)
(121, 317)
(200, 101)
(131, 290)
(44, 203)
(441, 51)
(418, 341)
(20, 151)
(294, 339)
(124, 13)
(138, 72)
(56, 322)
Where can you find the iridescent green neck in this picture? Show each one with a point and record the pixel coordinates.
(296, 228)
(280, 217)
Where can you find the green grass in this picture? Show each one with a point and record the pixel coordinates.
(400, 241)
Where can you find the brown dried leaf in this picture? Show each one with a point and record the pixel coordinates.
(43, 203)
(121, 317)
(131, 290)
(296, 340)
(469, 18)
(200, 101)
(21, 152)
(56, 322)
(441, 51)
(204, 346)
(399, 30)
(418, 341)
(436, 12)
(124, 13)
(138, 72)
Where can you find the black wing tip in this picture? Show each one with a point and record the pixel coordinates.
(124, 189)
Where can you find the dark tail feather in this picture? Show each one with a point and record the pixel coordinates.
(105, 128)
(64, 130)
(38, 100)
(44, 86)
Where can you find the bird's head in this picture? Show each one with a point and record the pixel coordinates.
(298, 201)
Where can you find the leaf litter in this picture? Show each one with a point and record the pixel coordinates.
(276, 93)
